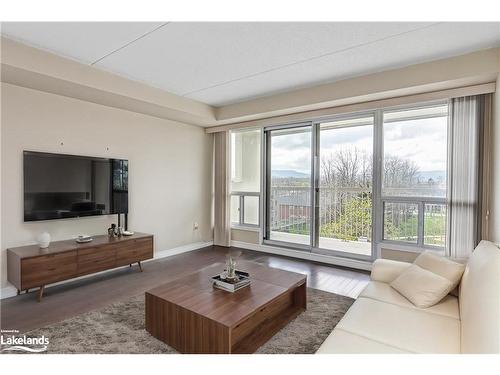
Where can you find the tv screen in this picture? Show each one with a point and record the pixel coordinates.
(58, 186)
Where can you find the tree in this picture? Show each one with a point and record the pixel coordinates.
(349, 209)
(354, 221)
(346, 168)
(400, 172)
(346, 177)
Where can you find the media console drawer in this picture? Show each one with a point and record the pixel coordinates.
(140, 250)
(31, 267)
(47, 269)
(96, 259)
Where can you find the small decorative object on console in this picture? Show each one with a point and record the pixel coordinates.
(112, 230)
(127, 233)
(83, 238)
(43, 240)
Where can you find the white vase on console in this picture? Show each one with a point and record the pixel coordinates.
(43, 240)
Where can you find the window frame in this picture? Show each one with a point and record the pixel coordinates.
(421, 201)
(379, 199)
(242, 194)
(241, 209)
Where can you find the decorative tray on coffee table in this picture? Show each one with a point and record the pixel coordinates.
(241, 280)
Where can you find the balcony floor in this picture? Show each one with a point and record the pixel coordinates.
(325, 243)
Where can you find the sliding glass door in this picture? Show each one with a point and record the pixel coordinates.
(289, 213)
(345, 185)
(345, 151)
(318, 186)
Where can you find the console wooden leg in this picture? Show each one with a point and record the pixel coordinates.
(18, 292)
(40, 293)
(130, 265)
(140, 266)
(27, 291)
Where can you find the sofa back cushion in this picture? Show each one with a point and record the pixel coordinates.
(480, 301)
(421, 287)
(441, 266)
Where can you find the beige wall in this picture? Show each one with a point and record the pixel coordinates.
(167, 160)
(494, 230)
(470, 69)
(402, 256)
(245, 236)
(34, 68)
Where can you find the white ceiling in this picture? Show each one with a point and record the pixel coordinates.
(223, 63)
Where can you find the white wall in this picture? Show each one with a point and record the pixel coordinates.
(170, 166)
(494, 231)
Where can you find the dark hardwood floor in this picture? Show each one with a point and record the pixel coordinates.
(63, 301)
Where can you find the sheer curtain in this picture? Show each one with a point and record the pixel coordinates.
(470, 116)
(222, 220)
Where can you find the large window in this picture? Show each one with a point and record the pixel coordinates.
(414, 175)
(339, 186)
(245, 177)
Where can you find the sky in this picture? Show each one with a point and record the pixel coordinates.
(422, 141)
(292, 151)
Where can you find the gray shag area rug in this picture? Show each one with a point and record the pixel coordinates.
(119, 329)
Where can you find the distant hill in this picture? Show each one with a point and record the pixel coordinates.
(288, 173)
(435, 175)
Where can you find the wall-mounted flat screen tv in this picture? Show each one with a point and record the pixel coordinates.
(58, 186)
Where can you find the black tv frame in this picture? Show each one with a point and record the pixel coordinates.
(30, 152)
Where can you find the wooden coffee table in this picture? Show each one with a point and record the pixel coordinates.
(193, 317)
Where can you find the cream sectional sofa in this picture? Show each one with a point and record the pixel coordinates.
(383, 321)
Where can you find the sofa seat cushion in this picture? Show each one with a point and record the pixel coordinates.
(343, 342)
(412, 330)
(385, 293)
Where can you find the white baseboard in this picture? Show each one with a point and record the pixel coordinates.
(8, 291)
(338, 261)
(181, 249)
(11, 291)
